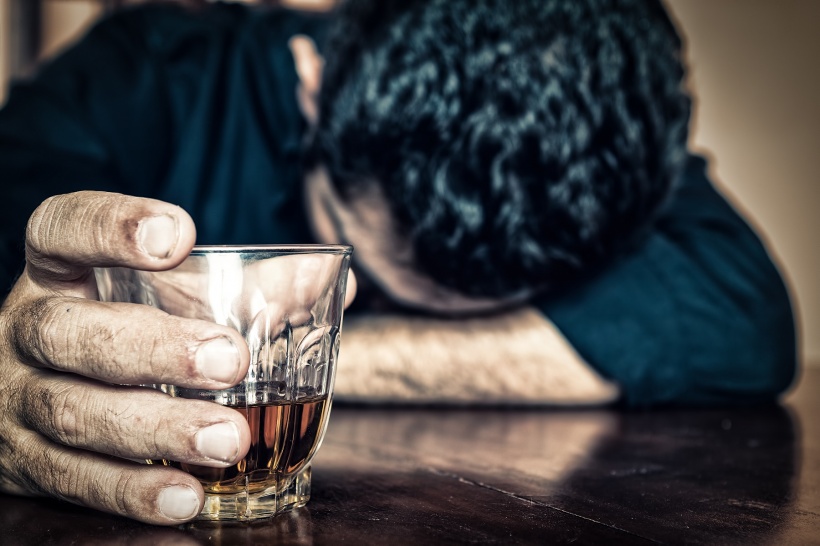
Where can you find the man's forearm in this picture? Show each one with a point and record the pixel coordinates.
(514, 358)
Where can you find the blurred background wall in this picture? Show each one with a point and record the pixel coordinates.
(5, 24)
(756, 76)
(757, 84)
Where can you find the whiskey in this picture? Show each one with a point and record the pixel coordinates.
(284, 437)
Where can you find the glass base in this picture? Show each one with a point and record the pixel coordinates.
(292, 492)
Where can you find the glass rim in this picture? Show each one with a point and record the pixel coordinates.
(201, 250)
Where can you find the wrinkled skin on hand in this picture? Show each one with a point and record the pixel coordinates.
(68, 426)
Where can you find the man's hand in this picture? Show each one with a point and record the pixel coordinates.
(68, 425)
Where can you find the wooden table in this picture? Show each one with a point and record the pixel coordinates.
(444, 476)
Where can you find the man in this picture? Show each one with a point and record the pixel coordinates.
(506, 171)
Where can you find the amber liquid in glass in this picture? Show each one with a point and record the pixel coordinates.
(284, 436)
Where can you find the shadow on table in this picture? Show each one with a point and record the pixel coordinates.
(447, 476)
(708, 476)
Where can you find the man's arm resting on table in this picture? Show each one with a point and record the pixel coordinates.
(517, 358)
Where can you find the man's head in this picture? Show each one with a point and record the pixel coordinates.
(513, 144)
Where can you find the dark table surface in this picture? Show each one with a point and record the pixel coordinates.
(535, 476)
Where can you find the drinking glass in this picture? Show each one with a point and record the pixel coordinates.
(287, 302)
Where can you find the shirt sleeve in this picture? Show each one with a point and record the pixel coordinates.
(698, 314)
(82, 123)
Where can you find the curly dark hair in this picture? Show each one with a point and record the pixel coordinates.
(518, 142)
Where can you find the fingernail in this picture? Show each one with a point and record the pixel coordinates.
(158, 235)
(219, 442)
(178, 502)
(218, 360)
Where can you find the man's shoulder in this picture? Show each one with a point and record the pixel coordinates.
(164, 27)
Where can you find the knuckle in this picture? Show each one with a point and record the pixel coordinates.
(163, 349)
(175, 438)
(129, 430)
(58, 413)
(69, 476)
(52, 331)
(117, 219)
(84, 222)
(104, 222)
(157, 353)
(51, 334)
(65, 478)
(125, 491)
(28, 465)
(102, 348)
(31, 328)
(68, 409)
(41, 224)
(155, 443)
(148, 434)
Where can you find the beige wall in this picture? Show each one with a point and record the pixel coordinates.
(4, 51)
(756, 75)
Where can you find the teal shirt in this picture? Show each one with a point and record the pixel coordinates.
(198, 108)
